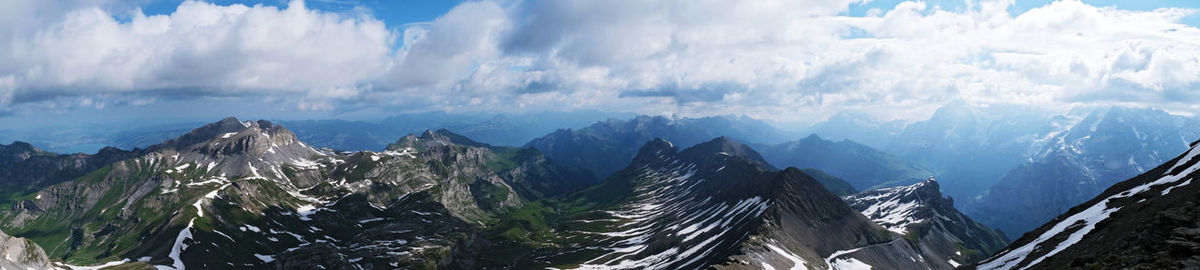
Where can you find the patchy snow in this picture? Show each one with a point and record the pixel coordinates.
(210, 166)
(250, 227)
(830, 260)
(849, 264)
(797, 262)
(306, 164)
(184, 166)
(227, 135)
(369, 220)
(254, 171)
(1164, 192)
(179, 247)
(306, 210)
(92, 267)
(38, 197)
(667, 200)
(888, 208)
(216, 180)
(265, 258)
(953, 263)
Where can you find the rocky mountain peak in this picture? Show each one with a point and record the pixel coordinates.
(231, 136)
(656, 149)
(18, 151)
(434, 138)
(726, 146)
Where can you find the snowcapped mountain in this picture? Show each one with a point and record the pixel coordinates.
(921, 214)
(1089, 151)
(715, 205)
(236, 194)
(1147, 222)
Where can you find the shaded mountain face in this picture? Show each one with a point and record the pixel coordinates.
(860, 165)
(235, 194)
(860, 128)
(833, 183)
(970, 147)
(710, 207)
(606, 147)
(26, 168)
(921, 214)
(1073, 165)
(1151, 221)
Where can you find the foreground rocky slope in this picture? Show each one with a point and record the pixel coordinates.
(1151, 221)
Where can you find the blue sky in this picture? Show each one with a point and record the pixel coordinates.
(72, 63)
(395, 13)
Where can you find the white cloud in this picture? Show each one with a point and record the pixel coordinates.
(786, 59)
(201, 49)
(772, 58)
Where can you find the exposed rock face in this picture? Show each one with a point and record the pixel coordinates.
(1151, 221)
(930, 221)
(20, 253)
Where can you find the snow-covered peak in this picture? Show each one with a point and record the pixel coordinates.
(897, 208)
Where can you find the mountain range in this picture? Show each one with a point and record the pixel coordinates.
(235, 194)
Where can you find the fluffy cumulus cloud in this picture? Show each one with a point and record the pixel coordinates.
(773, 59)
(201, 49)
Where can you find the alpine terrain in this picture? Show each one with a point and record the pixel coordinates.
(1151, 221)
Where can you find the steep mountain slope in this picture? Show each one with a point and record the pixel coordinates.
(861, 165)
(238, 194)
(710, 206)
(1072, 165)
(920, 213)
(1151, 221)
(606, 147)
